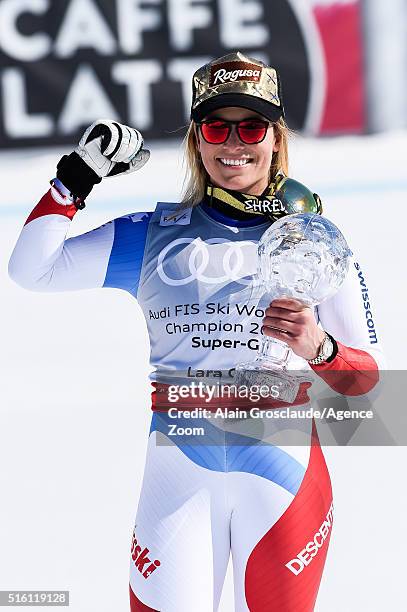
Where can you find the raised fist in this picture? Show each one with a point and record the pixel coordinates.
(106, 149)
(111, 148)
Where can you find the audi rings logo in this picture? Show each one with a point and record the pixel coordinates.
(214, 261)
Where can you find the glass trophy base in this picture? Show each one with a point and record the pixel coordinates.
(265, 373)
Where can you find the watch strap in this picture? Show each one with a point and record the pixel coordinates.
(320, 358)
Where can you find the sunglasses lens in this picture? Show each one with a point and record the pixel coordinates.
(252, 132)
(215, 132)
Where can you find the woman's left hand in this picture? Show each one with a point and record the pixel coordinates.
(294, 323)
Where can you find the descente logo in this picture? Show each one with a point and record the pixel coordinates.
(312, 548)
(234, 71)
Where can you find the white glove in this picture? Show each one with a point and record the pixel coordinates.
(111, 148)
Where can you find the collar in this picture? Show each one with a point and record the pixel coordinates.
(245, 206)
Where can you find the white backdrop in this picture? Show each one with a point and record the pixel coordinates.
(74, 396)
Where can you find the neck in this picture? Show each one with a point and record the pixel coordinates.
(223, 200)
(237, 205)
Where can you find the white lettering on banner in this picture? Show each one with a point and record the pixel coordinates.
(84, 27)
(237, 19)
(138, 76)
(18, 123)
(180, 70)
(132, 20)
(86, 100)
(184, 16)
(306, 555)
(22, 47)
(136, 56)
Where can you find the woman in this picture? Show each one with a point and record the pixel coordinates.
(190, 266)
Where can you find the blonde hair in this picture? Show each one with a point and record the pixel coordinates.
(196, 176)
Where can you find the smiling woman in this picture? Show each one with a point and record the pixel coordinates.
(248, 493)
(228, 139)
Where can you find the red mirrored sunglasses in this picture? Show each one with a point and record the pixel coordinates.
(250, 131)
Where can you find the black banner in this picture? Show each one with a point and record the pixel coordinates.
(65, 63)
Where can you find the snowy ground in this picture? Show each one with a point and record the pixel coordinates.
(74, 396)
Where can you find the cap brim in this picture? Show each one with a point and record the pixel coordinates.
(254, 103)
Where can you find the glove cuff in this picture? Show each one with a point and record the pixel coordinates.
(76, 175)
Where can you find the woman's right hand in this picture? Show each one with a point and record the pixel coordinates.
(111, 148)
(106, 149)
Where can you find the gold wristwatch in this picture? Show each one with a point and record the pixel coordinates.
(325, 351)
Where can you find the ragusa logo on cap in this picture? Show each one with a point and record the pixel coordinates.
(231, 72)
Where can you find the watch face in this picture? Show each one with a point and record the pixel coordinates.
(327, 347)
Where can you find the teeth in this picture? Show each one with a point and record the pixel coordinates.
(234, 162)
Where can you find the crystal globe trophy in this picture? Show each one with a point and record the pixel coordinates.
(302, 256)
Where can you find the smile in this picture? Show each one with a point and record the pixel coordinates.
(234, 162)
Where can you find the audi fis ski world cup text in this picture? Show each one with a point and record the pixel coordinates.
(245, 311)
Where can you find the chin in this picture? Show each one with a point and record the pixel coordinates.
(236, 184)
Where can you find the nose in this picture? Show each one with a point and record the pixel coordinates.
(233, 141)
